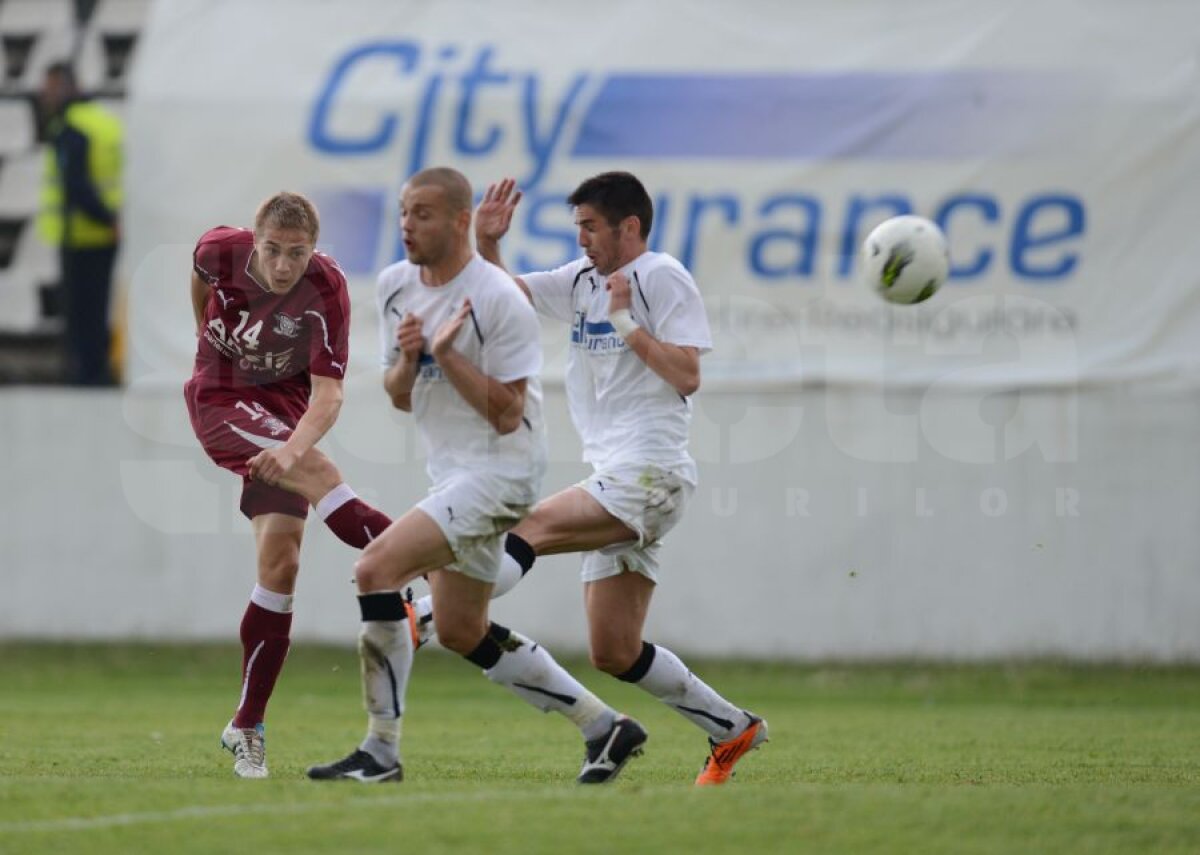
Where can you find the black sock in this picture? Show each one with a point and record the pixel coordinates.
(520, 550)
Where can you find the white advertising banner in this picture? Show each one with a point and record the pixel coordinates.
(1056, 143)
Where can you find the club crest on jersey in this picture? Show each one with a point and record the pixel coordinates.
(275, 425)
(287, 326)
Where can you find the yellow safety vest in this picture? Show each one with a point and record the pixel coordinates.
(103, 132)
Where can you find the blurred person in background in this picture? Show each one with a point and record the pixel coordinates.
(79, 214)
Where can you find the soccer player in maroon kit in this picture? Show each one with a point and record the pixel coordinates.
(272, 323)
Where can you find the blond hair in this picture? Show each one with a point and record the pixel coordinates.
(286, 210)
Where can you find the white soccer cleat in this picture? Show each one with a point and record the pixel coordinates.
(248, 745)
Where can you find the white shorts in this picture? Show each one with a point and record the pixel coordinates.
(474, 510)
(647, 498)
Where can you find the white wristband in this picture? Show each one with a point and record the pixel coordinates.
(623, 322)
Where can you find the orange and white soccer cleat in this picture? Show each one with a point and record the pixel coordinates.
(723, 756)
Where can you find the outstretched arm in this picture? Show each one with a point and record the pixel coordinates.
(492, 220)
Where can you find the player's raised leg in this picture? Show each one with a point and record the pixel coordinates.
(317, 479)
(568, 521)
(234, 430)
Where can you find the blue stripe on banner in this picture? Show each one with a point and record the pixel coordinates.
(598, 328)
(867, 114)
(425, 359)
(350, 224)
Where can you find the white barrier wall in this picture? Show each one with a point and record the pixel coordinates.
(1064, 525)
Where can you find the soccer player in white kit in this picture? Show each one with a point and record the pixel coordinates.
(638, 328)
(462, 354)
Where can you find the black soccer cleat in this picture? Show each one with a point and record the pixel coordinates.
(358, 766)
(607, 756)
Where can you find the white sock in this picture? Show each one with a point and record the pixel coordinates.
(386, 654)
(510, 575)
(334, 499)
(533, 676)
(271, 601)
(669, 680)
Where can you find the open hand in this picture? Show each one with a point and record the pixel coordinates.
(495, 212)
(443, 339)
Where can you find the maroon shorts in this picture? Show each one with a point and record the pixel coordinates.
(233, 426)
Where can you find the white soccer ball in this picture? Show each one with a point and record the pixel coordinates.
(905, 259)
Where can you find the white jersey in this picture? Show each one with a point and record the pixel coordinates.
(624, 412)
(500, 338)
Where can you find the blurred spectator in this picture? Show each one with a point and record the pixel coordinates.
(81, 198)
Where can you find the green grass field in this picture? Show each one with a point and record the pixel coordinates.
(114, 749)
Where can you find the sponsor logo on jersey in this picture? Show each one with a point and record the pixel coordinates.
(596, 336)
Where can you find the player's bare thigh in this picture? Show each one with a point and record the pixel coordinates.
(313, 476)
(411, 545)
(616, 611)
(571, 521)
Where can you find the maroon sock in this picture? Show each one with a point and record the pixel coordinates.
(264, 647)
(357, 523)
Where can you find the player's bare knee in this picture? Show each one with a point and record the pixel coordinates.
(611, 659)
(278, 572)
(371, 573)
(458, 635)
(318, 472)
(457, 639)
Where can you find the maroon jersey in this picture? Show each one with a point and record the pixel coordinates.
(264, 344)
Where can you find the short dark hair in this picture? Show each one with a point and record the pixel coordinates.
(64, 69)
(455, 186)
(615, 196)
